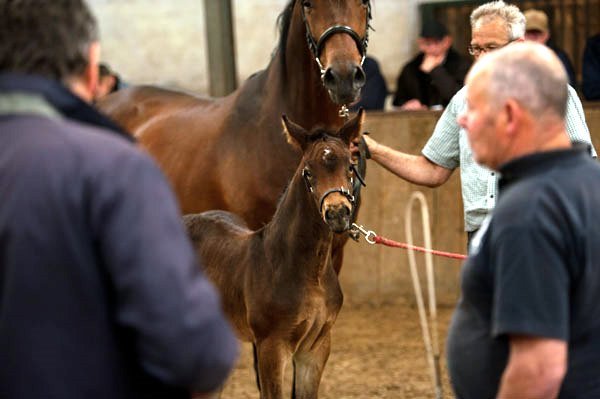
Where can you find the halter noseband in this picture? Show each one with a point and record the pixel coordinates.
(344, 191)
(317, 46)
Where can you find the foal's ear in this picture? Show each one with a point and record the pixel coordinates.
(352, 130)
(295, 134)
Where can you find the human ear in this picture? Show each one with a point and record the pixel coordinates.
(91, 73)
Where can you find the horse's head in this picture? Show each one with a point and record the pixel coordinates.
(326, 168)
(337, 35)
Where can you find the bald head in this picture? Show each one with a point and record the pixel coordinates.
(529, 73)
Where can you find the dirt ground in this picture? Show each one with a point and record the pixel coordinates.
(377, 352)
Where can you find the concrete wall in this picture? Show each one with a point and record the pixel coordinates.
(163, 41)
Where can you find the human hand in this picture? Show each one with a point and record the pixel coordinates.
(413, 105)
(369, 142)
(431, 61)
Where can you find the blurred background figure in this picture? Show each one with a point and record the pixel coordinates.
(590, 84)
(109, 81)
(536, 30)
(374, 92)
(434, 75)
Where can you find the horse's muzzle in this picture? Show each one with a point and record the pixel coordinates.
(337, 218)
(344, 82)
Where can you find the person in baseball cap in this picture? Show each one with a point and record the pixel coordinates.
(434, 75)
(537, 29)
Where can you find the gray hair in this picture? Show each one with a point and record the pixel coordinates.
(529, 73)
(510, 14)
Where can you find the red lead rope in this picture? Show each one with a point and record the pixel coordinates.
(391, 243)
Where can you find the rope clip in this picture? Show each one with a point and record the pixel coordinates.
(369, 234)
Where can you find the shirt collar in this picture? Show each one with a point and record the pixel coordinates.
(539, 162)
(60, 98)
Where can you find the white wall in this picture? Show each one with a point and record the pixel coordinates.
(163, 41)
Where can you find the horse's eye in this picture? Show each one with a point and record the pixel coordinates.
(307, 4)
(365, 2)
(306, 173)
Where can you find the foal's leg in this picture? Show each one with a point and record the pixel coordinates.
(308, 369)
(255, 357)
(272, 360)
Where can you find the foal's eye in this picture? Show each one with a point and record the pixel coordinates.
(365, 2)
(307, 4)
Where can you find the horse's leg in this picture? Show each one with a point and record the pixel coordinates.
(255, 355)
(308, 369)
(272, 360)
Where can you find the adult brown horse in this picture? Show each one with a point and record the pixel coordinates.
(230, 153)
(277, 284)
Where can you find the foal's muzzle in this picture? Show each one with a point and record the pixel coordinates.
(337, 215)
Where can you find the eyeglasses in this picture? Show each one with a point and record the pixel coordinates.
(476, 50)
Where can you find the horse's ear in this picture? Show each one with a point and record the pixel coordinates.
(295, 134)
(352, 130)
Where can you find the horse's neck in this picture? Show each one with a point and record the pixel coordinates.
(305, 99)
(297, 234)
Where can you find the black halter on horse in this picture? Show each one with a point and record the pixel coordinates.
(316, 46)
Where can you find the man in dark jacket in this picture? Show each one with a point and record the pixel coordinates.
(591, 69)
(528, 321)
(537, 30)
(100, 292)
(434, 75)
(374, 92)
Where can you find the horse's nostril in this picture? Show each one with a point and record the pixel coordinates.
(345, 211)
(330, 214)
(329, 79)
(359, 77)
(340, 212)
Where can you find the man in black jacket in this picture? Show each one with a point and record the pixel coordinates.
(434, 75)
(537, 30)
(528, 321)
(101, 295)
(591, 69)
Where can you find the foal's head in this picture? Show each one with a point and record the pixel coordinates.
(326, 168)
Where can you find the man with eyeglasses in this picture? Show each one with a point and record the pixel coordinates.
(493, 25)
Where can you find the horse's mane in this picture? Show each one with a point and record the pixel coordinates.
(283, 21)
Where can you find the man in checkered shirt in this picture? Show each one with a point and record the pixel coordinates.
(494, 25)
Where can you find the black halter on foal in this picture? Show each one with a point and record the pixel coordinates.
(316, 46)
(344, 191)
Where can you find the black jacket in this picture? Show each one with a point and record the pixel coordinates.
(436, 87)
(101, 295)
(591, 69)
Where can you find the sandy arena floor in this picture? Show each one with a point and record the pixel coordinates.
(377, 352)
